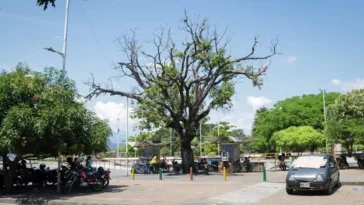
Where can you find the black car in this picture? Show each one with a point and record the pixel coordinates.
(316, 172)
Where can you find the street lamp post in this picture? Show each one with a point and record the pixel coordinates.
(324, 105)
(63, 54)
(200, 139)
(117, 138)
(170, 142)
(127, 133)
(218, 133)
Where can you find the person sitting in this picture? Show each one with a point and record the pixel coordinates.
(154, 163)
(71, 163)
(89, 163)
(78, 164)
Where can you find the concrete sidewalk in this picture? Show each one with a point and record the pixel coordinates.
(133, 192)
(175, 189)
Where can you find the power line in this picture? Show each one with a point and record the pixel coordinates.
(93, 33)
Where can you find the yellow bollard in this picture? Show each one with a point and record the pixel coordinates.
(224, 174)
(132, 173)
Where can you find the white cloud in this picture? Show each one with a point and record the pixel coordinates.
(335, 81)
(347, 86)
(242, 120)
(291, 59)
(111, 111)
(258, 102)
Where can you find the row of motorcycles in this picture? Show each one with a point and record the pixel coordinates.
(85, 177)
(343, 163)
(143, 166)
(80, 176)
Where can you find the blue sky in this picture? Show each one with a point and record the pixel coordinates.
(321, 42)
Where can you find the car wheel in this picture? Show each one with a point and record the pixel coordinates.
(289, 191)
(338, 184)
(328, 191)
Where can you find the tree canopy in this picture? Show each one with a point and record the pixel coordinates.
(38, 116)
(179, 84)
(298, 139)
(306, 110)
(345, 119)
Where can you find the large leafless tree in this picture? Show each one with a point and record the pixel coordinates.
(182, 83)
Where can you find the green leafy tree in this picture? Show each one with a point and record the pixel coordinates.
(184, 81)
(38, 117)
(306, 110)
(298, 139)
(345, 119)
(130, 149)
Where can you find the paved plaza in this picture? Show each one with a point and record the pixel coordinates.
(241, 188)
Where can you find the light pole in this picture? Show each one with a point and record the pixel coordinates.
(117, 138)
(127, 133)
(218, 133)
(170, 142)
(63, 54)
(324, 105)
(200, 140)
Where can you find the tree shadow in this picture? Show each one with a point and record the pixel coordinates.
(29, 195)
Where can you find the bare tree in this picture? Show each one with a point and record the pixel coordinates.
(180, 87)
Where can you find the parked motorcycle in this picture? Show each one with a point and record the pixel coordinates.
(360, 160)
(2, 182)
(52, 175)
(164, 166)
(142, 166)
(282, 164)
(105, 175)
(342, 162)
(203, 165)
(84, 178)
(176, 166)
(247, 165)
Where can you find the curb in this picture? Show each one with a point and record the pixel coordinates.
(352, 183)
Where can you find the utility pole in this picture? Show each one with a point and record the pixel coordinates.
(127, 133)
(117, 138)
(170, 142)
(63, 54)
(324, 105)
(200, 140)
(218, 133)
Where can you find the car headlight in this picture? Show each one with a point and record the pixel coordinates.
(319, 178)
(291, 178)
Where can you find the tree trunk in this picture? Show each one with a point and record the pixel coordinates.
(9, 172)
(187, 157)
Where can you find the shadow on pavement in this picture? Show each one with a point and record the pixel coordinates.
(315, 193)
(29, 195)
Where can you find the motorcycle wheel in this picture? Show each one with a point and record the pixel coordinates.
(166, 169)
(50, 183)
(211, 169)
(249, 168)
(106, 182)
(98, 186)
(66, 189)
(177, 169)
(361, 165)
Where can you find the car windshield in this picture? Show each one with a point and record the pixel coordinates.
(314, 162)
